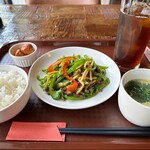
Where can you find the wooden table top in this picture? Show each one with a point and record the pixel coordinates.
(54, 26)
(56, 22)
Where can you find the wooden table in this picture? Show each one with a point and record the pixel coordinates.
(54, 22)
(53, 26)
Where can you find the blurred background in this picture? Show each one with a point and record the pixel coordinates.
(23, 2)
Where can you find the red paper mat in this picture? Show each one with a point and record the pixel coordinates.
(36, 131)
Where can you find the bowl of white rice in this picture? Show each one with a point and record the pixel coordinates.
(14, 91)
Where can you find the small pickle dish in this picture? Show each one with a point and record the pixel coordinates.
(23, 53)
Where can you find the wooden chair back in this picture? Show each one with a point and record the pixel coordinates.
(63, 2)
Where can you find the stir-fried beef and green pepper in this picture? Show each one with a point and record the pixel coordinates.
(74, 78)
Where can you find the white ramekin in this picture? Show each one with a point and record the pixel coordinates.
(23, 61)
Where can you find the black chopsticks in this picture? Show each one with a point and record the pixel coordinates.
(138, 131)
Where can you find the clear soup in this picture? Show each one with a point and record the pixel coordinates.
(139, 89)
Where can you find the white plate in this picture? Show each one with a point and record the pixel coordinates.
(101, 59)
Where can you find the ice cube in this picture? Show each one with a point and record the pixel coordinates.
(146, 11)
(137, 8)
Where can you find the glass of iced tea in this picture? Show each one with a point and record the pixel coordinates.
(133, 33)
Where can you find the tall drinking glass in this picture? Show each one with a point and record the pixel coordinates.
(133, 33)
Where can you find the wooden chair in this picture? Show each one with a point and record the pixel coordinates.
(63, 2)
(115, 2)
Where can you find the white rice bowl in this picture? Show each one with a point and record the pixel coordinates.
(14, 91)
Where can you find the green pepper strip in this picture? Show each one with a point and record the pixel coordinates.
(72, 69)
(62, 84)
(55, 94)
(72, 97)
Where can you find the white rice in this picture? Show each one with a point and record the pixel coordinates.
(12, 85)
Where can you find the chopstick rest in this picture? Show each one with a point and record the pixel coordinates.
(36, 131)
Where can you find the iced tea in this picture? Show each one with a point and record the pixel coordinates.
(132, 36)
